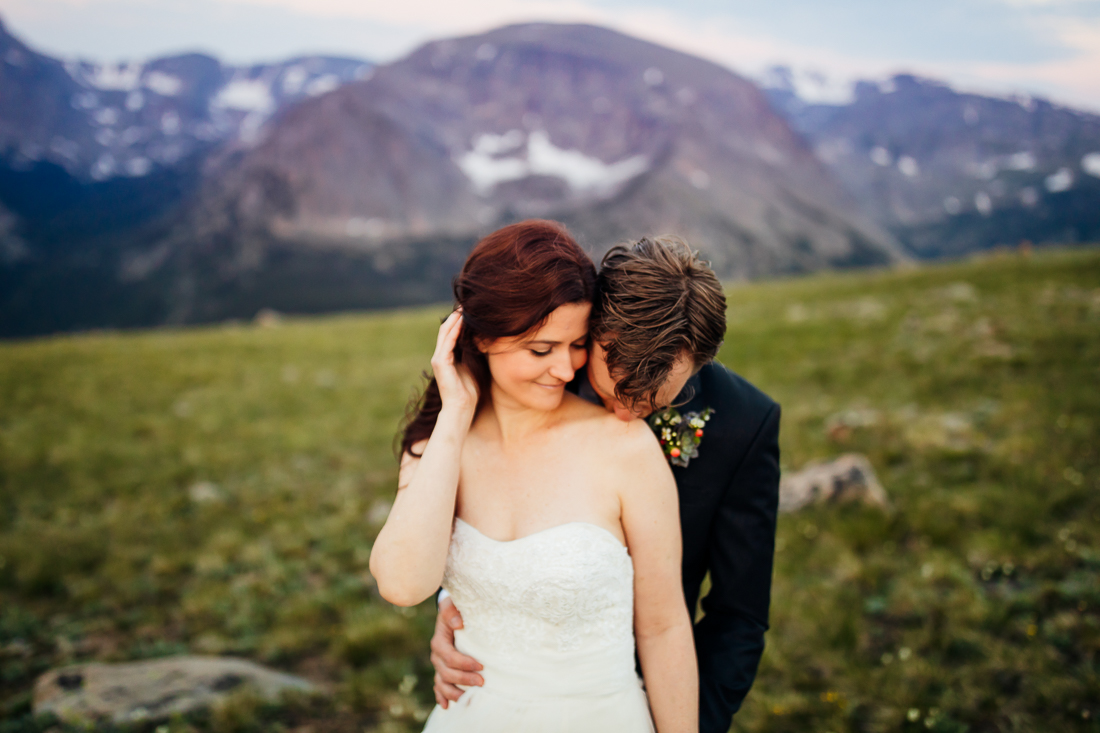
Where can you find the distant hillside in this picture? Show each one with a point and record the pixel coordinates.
(949, 172)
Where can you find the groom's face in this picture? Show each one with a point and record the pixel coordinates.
(599, 376)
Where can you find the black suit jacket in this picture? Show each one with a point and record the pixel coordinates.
(729, 496)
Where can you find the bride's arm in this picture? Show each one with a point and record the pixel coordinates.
(662, 626)
(410, 553)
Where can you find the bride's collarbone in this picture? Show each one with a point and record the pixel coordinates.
(514, 500)
(574, 439)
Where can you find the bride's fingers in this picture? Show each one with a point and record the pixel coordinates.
(446, 691)
(448, 333)
(439, 699)
(452, 676)
(445, 656)
(455, 382)
(444, 357)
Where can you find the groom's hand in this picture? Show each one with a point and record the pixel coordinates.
(452, 668)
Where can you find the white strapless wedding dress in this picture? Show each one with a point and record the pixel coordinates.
(550, 617)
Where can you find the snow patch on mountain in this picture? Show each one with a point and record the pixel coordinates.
(85, 100)
(139, 166)
(245, 95)
(496, 159)
(810, 86)
(170, 123)
(1090, 164)
(104, 167)
(163, 84)
(322, 85)
(1060, 181)
(106, 116)
(113, 77)
(908, 167)
(1022, 161)
(294, 78)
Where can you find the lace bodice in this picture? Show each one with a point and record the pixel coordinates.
(563, 589)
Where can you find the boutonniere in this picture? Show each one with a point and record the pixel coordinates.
(680, 435)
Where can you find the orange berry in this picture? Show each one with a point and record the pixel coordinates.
(675, 452)
(699, 433)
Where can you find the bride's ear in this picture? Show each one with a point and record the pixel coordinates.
(482, 344)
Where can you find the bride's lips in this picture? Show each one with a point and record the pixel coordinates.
(550, 386)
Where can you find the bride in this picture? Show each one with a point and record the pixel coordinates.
(553, 525)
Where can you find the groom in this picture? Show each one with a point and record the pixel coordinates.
(659, 318)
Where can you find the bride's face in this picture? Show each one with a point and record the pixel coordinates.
(532, 370)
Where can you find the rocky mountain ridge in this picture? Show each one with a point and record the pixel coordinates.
(182, 190)
(616, 137)
(947, 171)
(101, 121)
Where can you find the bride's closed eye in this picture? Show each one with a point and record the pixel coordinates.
(582, 344)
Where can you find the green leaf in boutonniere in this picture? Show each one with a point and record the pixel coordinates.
(679, 435)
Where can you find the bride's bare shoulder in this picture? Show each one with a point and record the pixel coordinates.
(580, 409)
(606, 432)
(623, 438)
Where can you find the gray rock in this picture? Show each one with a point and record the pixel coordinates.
(153, 690)
(205, 492)
(848, 478)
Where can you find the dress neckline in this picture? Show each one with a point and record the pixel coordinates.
(597, 527)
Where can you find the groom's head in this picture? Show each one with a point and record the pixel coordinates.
(659, 316)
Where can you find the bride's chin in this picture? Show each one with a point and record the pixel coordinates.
(533, 396)
(545, 399)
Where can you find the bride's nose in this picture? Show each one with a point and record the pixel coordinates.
(562, 367)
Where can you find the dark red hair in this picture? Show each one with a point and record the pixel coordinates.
(511, 283)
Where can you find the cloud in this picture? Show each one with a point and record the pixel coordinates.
(444, 15)
(1072, 78)
(1046, 3)
(1045, 47)
(1075, 80)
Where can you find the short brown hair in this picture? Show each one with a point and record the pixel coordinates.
(655, 299)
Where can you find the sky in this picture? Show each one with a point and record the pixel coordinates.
(1047, 48)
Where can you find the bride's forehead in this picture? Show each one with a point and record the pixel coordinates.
(565, 323)
(564, 319)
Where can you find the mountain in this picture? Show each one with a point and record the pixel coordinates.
(104, 121)
(97, 160)
(948, 172)
(370, 193)
(614, 136)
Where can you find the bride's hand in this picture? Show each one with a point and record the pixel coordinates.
(457, 388)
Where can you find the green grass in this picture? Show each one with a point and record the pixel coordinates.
(217, 491)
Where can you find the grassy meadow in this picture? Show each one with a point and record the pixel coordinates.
(217, 490)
